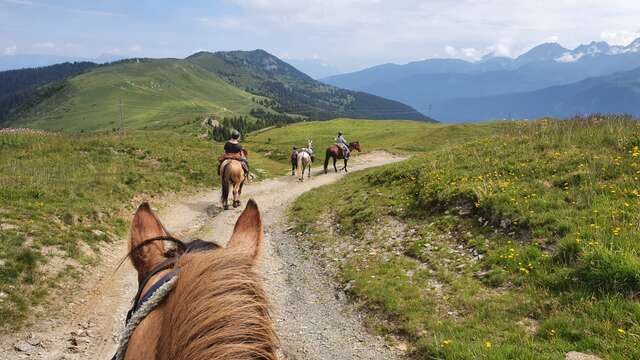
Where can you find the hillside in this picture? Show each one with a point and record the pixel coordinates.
(517, 246)
(617, 93)
(22, 88)
(431, 85)
(178, 93)
(401, 137)
(154, 93)
(294, 92)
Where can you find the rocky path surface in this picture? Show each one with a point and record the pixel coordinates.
(312, 319)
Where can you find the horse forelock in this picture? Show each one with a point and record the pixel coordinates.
(218, 310)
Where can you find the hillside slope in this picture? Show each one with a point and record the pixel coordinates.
(174, 93)
(518, 246)
(21, 88)
(617, 93)
(154, 93)
(294, 92)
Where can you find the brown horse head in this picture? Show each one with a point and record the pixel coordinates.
(355, 146)
(216, 309)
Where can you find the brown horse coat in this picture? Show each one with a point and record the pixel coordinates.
(217, 308)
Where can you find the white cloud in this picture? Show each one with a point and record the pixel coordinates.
(450, 51)
(44, 45)
(568, 57)
(552, 39)
(11, 50)
(620, 37)
(375, 31)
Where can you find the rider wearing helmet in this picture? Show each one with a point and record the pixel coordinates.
(233, 150)
(344, 145)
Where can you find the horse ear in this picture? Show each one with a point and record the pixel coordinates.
(247, 234)
(145, 225)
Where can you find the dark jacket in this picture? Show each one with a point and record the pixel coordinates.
(232, 147)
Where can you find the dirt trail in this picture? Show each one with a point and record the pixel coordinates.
(311, 322)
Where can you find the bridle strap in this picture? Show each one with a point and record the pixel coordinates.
(166, 264)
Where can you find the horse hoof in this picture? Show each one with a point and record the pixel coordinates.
(226, 207)
(236, 204)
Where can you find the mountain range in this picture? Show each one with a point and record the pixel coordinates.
(455, 90)
(158, 93)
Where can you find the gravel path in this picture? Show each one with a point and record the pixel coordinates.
(312, 320)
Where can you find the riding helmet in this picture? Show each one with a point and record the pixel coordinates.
(235, 134)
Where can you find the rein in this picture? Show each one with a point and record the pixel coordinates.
(144, 305)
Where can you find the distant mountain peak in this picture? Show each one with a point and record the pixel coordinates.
(593, 48)
(543, 52)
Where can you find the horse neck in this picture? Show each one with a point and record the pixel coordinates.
(218, 310)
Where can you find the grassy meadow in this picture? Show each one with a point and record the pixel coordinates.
(522, 245)
(61, 196)
(397, 136)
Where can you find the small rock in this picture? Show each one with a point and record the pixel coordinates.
(24, 347)
(34, 341)
(574, 355)
(349, 286)
(5, 226)
(97, 232)
(73, 341)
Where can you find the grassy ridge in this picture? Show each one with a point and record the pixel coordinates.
(398, 136)
(60, 197)
(167, 93)
(520, 246)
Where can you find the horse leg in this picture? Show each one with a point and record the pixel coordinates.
(236, 195)
(225, 189)
(240, 192)
(345, 165)
(309, 171)
(334, 164)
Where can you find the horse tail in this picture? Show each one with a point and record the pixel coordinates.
(299, 167)
(326, 159)
(225, 182)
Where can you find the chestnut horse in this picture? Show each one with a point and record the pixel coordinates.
(232, 176)
(215, 306)
(334, 151)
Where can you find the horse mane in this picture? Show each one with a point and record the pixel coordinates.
(217, 310)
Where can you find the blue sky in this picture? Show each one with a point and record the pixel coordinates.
(347, 34)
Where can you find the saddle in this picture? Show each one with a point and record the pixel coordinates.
(342, 150)
(231, 156)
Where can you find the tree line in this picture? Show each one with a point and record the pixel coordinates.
(222, 130)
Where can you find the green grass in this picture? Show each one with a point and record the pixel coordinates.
(62, 194)
(517, 246)
(156, 94)
(399, 136)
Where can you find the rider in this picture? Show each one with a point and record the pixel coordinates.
(233, 150)
(342, 142)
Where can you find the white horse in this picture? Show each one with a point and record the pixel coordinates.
(305, 158)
